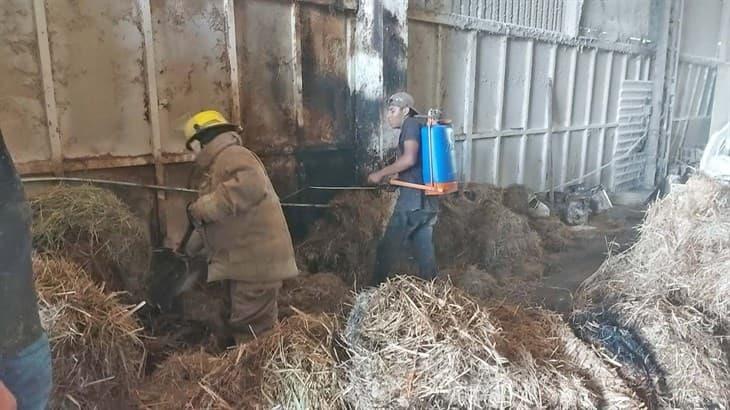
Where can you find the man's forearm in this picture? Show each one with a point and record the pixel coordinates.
(400, 165)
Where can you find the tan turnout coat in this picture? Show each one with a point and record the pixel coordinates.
(243, 229)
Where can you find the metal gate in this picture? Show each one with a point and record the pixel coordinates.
(629, 158)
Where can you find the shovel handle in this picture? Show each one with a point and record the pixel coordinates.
(185, 239)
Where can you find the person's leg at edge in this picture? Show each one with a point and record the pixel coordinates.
(29, 375)
(423, 249)
(390, 248)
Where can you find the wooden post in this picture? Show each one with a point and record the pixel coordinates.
(49, 93)
(296, 56)
(663, 26)
(232, 52)
(154, 107)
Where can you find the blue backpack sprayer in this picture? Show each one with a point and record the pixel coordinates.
(438, 157)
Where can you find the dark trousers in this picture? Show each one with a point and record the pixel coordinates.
(407, 229)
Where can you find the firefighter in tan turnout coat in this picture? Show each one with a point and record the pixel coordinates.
(240, 222)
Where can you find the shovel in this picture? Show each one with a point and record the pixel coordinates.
(170, 273)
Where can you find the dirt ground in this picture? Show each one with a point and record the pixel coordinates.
(566, 269)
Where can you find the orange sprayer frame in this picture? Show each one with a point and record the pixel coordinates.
(438, 189)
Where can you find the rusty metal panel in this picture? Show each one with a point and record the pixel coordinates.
(324, 39)
(22, 113)
(454, 69)
(193, 72)
(423, 81)
(264, 38)
(98, 67)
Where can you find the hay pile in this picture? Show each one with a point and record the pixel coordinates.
(295, 367)
(97, 352)
(516, 198)
(672, 291)
(486, 287)
(475, 228)
(95, 229)
(415, 344)
(316, 293)
(555, 235)
(345, 241)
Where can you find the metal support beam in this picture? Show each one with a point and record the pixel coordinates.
(154, 108)
(49, 93)
(624, 76)
(724, 34)
(498, 123)
(232, 51)
(664, 27)
(548, 138)
(588, 108)
(438, 84)
(513, 30)
(537, 131)
(469, 97)
(527, 94)
(296, 58)
(672, 78)
(604, 115)
(568, 114)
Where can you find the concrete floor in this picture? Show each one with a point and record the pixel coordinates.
(567, 269)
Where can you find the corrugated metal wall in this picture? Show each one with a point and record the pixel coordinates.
(107, 84)
(512, 126)
(542, 14)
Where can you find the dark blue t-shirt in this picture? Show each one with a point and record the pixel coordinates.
(409, 198)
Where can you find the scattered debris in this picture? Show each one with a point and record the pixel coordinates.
(98, 356)
(475, 228)
(316, 293)
(97, 230)
(578, 203)
(294, 367)
(345, 241)
(485, 287)
(517, 199)
(555, 235)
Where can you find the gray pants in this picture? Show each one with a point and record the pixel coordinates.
(407, 229)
